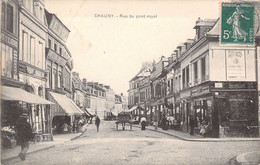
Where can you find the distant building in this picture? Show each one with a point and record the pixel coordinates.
(78, 93)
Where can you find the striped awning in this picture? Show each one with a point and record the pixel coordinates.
(90, 112)
(18, 94)
(67, 105)
(132, 109)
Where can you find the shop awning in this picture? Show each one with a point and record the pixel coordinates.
(18, 94)
(132, 109)
(66, 104)
(90, 111)
(114, 112)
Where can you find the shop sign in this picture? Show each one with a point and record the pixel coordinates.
(160, 101)
(218, 85)
(57, 27)
(200, 91)
(239, 85)
(235, 64)
(55, 57)
(23, 68)
(9, 40)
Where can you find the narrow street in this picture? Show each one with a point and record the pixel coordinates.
(109, 146)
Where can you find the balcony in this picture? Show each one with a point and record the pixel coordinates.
(55, 57)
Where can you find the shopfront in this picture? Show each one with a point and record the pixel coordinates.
(13, 105)
(227, 108)
(235, 109)
(65, 111)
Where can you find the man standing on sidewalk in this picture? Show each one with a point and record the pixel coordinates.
(97, 122)
(24, 134)
(192, 125)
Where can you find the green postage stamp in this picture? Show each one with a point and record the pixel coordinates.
(237, 23)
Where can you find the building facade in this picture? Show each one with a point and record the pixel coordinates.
(32, 36)
(215, 84)
(59, 75)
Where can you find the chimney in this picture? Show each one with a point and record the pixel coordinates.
(122, 94)
(170, 60)
(176, 51)
(188, 43)
(174, 56)
(84, 82)
(202, 27)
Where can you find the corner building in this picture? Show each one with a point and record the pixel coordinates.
(218, 84)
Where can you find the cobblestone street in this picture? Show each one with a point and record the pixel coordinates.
(109, 146)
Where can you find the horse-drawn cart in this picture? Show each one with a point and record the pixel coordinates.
(123, 118)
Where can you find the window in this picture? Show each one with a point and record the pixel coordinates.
(40, 91)
(39, 58)
(54, 77)
(171, 85)
(168, 86)
(55, 47)
(7, 17)
(60, 51)
(203, 68)
(49, 43)
(187, 76)
(25, 47)
(142, 96)
(183, 78)
(7, 60)
(10, 16)
(195, 68)
(179, 86)
(49, 79)
(32, 51)
(60, 77)
(3, 15)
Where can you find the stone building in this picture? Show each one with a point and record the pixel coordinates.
(58, 74)
(215, 84)
(32, 39)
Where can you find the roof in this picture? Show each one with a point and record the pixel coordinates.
(49, 18)
(205, 22)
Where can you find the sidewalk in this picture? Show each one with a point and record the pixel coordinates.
(250, 158)
(7, 154)
(196, 138)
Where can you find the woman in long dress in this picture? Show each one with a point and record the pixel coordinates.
(238, 32)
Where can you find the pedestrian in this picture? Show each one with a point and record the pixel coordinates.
(203, 128)
(24, 134)
(192, 125)
(143, 123)
(97, 122)
(65, 128)
(164, 123)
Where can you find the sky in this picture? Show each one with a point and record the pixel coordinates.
(111, 50)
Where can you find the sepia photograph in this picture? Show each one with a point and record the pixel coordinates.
(130, 82)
